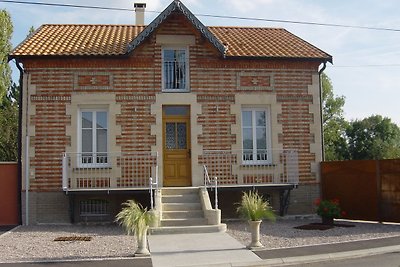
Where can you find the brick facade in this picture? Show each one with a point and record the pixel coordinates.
(135, 82)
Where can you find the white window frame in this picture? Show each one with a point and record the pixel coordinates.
(187, 86)
(94, 163)
(255, 161)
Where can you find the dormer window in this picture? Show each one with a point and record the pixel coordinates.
(175, 70)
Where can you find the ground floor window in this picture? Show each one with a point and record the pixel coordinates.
(256, 136)
(93, 136)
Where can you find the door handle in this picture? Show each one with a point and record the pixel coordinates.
(190, 153)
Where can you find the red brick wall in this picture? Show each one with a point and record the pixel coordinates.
(136, 80)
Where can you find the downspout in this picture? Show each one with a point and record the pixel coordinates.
(321, 108)
(26, 152)
(19, 141)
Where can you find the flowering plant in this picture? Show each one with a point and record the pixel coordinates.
(329, 208)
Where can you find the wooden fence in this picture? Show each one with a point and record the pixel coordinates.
(8, 193)
(367, 189)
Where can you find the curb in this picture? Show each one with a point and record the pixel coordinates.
(76, 260)
(321, 257)
(10, 231)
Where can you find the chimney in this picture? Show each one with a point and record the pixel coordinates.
(139, 13)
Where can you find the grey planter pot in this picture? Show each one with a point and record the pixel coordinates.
(142, 250)
(255, 235)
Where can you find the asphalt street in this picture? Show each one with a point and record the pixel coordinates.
(136, 262)
(382, 260)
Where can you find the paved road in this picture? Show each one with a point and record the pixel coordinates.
(382, 260)
(137, 262)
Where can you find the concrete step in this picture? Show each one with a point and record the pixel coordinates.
(184, 214)
(186, 198)
(180, 191)
(188, 229)
(181, 206)
(183, 222)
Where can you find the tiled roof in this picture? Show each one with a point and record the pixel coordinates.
(110, 40)
(78, 40)
(265, 42)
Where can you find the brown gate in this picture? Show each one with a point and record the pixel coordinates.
(367, 189)
(8, 193)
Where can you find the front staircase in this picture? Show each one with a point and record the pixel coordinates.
(185, 210)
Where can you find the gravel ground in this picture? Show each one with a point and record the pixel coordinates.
(36, 243)
(282, 233)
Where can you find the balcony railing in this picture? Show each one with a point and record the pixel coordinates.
(240, 167)
(175, 76)
(109, 171)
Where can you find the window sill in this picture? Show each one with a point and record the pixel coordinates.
(253, 164)
(176, 90)
(93, 167)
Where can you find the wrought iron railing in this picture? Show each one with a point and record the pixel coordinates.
(175, 75)
(111, 171)
(235, 167)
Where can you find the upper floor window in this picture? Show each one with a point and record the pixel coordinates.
(256, 137)
(175, 69)
(93, 131)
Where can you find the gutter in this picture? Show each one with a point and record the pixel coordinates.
(321, 108)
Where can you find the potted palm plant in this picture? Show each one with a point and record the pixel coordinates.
(136, 220)
(255, 208)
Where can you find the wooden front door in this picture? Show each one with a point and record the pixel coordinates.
(176, 146)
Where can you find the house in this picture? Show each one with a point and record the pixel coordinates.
(106, 107)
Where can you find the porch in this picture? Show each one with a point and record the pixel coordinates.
(223, 172)
(140, 170)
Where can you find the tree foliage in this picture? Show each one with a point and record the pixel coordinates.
(334, 124)
(9, 94)
(9, 124)
(5, 48)
(374, 137)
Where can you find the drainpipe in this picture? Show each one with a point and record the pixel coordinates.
(321, 107)
(19, 141)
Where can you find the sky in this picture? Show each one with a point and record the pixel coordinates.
(366, 69)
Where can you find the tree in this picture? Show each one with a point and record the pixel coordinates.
(5, 48)
(334, 124)
(9, 124)
(8, 94)
(374, 137)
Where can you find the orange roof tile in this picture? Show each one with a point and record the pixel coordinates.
(265, 42)
(109, 40)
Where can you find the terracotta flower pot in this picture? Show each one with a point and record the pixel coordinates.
(255, 234)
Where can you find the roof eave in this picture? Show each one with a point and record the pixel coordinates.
(176, 5)
(318, 59)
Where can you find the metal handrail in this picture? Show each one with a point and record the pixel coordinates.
(151, 183)
(207, 181)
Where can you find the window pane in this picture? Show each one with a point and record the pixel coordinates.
(87, 140)
(174, 69)
(101, 118)
(87, 120)
(170, 134)
(182, 136)
(261, 138)
(260, 118)
(101, 139)
(176, 110)
(247, 139)
(246, 117)
(169, 55)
